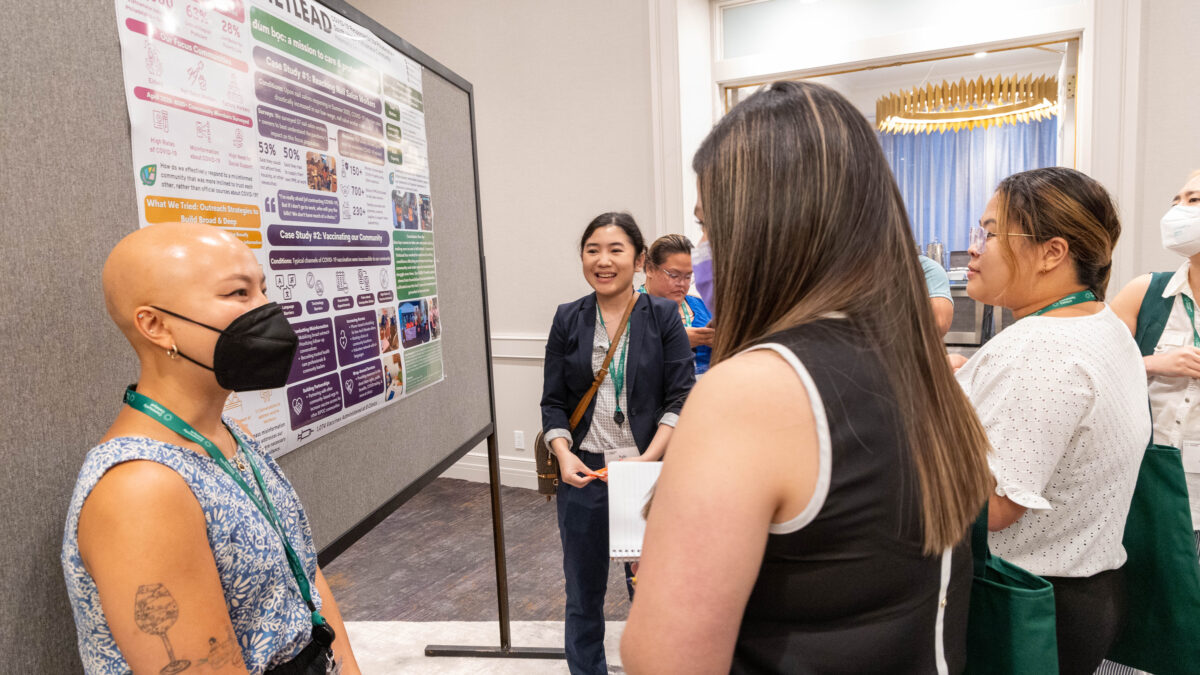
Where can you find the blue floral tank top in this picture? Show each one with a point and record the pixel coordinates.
(270, 618)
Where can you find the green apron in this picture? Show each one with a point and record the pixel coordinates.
(1162, 626)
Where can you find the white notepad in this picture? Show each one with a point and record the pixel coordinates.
(629, 485)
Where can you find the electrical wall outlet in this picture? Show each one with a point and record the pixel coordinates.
(519, 440)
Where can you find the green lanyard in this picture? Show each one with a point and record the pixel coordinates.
(616, 367)
(1190, 308)
(1077, 298)
(168, 419)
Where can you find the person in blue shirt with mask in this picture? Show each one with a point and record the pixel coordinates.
(669, 275)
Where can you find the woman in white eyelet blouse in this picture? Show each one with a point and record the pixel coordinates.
(1062, 395)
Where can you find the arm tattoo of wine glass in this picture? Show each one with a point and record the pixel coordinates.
(155, 611)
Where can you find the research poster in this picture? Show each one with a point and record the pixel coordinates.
(303, 134)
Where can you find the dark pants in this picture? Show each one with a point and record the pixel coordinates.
(1089, 612)
(583, 526)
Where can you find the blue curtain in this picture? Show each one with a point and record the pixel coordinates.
(947, 178)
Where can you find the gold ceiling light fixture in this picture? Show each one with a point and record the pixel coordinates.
(968, 104)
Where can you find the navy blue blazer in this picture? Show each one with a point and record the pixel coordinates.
(659, 370)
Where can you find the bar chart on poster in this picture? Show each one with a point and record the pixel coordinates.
(303, 134)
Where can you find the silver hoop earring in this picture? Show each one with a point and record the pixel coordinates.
(172, 352)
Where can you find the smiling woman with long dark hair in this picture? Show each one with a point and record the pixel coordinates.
(825, 471)
(632, 414)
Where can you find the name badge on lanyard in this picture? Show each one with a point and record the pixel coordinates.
(1190, 452)
(617, 454)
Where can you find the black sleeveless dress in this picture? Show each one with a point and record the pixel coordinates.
(844, 587)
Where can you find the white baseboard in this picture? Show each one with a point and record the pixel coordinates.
(514, 471)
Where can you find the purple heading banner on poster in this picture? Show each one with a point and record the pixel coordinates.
(303, 235)
(322, 82)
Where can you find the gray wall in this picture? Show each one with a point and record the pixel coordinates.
(67, 198)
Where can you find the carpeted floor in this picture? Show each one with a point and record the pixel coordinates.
(432, 560)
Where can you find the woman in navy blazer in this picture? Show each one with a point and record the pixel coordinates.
(635, 407)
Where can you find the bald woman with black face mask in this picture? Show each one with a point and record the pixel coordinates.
(185, 546)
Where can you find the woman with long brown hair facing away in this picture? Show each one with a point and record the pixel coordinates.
(811, 514)
(1062, 394)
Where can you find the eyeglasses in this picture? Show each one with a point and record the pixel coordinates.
(677, 278)
(980, 237)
